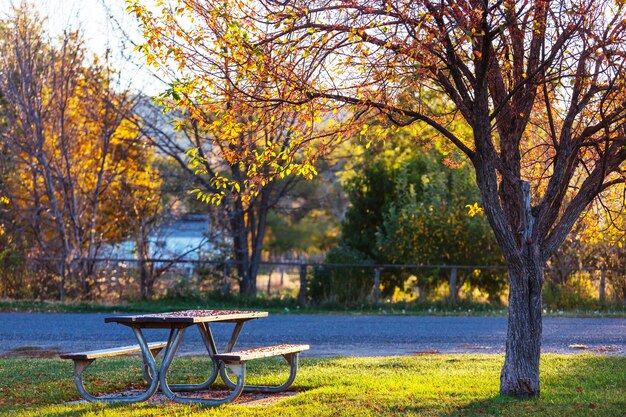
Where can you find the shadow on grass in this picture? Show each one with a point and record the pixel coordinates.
(93, 408)
(586, 386)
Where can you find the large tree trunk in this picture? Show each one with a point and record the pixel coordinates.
(520, 374)
(248, 283)
(248, 230)
(239, 232)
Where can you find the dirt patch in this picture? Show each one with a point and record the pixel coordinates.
(425, 352)
(30, 352)
(578, 346)
(247, 398)
(602, 349)
(473, 346)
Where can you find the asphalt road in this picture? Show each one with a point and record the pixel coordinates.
(328, 335)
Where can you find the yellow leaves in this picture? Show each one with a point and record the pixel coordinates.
(3, 200)
(306, 170)
(222, 91)
(208, 198)
(474, 209)
(286, 172)
(364, 129)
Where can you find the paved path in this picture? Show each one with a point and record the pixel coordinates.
(328, 335)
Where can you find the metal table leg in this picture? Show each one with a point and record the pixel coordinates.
(229, 348)
(238, 369)
(234, 336)
(209, 343)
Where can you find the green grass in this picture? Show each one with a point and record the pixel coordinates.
(288, 306)
(434, 385)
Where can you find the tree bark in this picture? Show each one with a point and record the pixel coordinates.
(520, 373)
(248, 230)
(241, 251)
(226, 279)
(142, 245)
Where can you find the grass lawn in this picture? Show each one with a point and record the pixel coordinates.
(288, 306)
(433, 385)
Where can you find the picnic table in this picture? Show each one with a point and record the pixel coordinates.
(177, 322)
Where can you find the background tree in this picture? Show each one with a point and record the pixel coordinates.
(233, 151)
(370, 192)
(409, 205)
(434, 219)
(70, 140)
(3, 220)
(203, 149)
(529, 78)
(306, 222)
(596, 242)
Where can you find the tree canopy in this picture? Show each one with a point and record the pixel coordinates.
(540, 84)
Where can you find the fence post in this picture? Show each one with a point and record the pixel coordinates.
(302, 297)
(226, 279)
(377, 285)
(452, 294)
(602, 285)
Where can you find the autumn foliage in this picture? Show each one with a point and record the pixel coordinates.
(540, 85)
(75, 170)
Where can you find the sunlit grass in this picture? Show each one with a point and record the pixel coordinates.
(288, 306)
(434, 385)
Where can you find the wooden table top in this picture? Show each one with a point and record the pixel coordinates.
(187, 316)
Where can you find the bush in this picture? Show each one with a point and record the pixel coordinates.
(577, 293)
(342, 285)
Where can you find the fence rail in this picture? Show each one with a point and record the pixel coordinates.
(126, 278)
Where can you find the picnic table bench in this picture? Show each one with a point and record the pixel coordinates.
(177, 322)
(82, 360)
